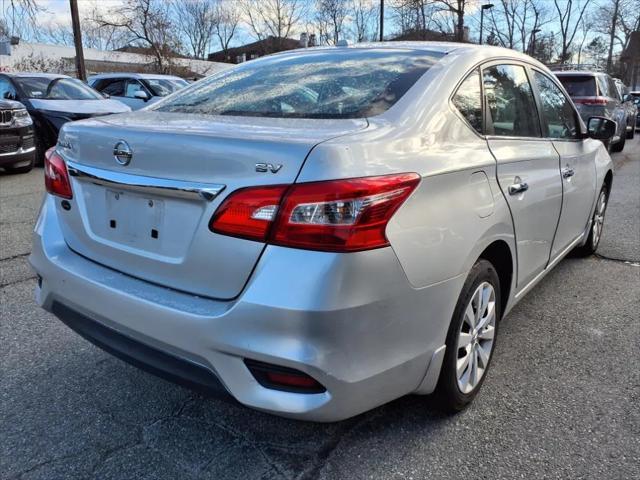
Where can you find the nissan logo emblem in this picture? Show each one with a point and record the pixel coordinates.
(122, 152)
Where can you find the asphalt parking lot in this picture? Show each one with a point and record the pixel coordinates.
(561, 400)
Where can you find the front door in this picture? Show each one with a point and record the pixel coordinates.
(577, 160)
(527, 165)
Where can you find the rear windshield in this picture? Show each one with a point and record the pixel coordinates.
(61, 88)
(338, 83)
(579, 85)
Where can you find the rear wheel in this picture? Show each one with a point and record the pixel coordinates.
(471, 338)
(632, 133)
(597, 225)
(618, 147)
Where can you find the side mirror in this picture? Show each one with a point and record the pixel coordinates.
(601, 128)
(141, 94)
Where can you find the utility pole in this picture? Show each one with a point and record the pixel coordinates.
(381, 20)
(484, 7)
(77, 40)
(614, 20)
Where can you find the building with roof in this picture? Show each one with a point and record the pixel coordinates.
(41, 57)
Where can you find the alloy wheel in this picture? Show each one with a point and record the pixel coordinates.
(598, 218)
(476, 338)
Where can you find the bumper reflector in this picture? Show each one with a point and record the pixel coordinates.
(285, 379)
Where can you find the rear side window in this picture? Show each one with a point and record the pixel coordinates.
(579, 85)
(336, 83)
(468, 100)
(557, 112)
(510, 101)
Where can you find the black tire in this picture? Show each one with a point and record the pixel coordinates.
(590, 247)
(40, 149)
(618, 147)
(25, 169)
(448, 395)
(631, 134)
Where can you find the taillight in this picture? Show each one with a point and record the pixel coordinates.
(338, 215)
(591, 100)
(248, 212)
(56, 177)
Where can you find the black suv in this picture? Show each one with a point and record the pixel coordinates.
(17, 144)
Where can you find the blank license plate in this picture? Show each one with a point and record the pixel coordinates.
(134, 219)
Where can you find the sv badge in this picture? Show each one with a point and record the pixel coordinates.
(268, 167)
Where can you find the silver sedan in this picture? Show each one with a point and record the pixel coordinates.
(319, 232)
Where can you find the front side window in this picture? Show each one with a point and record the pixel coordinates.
(6, 89)
(60, 88)
(339, 83)
(557, 112)
(468, 100)
(133, 86)
(161, 87)
(510, 101)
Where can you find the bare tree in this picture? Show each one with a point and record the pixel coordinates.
(146, 23)
(20, 17)
(363, 16)
(457, 9)
(570, 14)
(227, 20)
(196, 22)
(273, 18)
(617, 19)
(415, 15)
(330, 17)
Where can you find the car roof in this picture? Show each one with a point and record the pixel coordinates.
(35, 74)
(577, 73)
(135, 75)
(470, 50)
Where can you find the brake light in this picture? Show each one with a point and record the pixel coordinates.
(338, 215)
(591, 100)
(248, 212)
(56, 177)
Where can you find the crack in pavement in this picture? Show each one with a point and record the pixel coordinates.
(633, 263)
(15, 256)
(8, 284)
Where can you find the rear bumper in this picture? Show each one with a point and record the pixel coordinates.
(352, 322)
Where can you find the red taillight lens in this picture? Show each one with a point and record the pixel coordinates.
(338, 215)
(248, 212)
(341, 215)
(591, 101)
(56, 177)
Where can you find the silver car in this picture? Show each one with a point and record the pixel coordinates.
(321, 231)
(595, 93)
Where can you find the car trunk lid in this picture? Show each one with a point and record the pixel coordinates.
(148, 216)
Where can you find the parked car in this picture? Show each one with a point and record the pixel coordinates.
(52, 100)
(136, 89)
(634, 96)
(318, 255)
(630, 106)
(17, 145)
(595, 94)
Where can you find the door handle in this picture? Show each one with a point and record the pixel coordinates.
(567, 172)
(518, 188)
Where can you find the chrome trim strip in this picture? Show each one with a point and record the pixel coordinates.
(20, 151)
(151, 185)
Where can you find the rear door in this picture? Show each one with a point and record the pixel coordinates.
(577, 160)
(527, 165)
